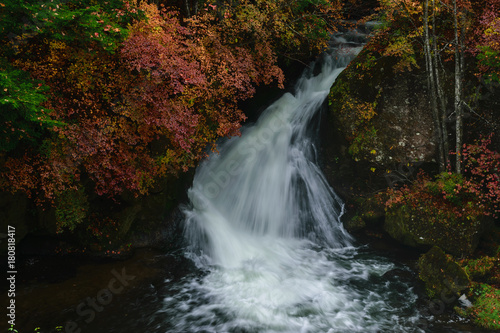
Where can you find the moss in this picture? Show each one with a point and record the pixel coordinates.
(419, 228)
(485, 309)
(372, 209)
(481, 268)
(484, 291)
(355, 223)
(379, 113)
(441, 274)
(399, 225)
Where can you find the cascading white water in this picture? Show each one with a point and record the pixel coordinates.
(265, 185)
(264, 227)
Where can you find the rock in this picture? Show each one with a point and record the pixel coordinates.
(354, 224)
(385, 117)
(399, 275)
(483, 269)
(443, 277)
(370, 212)
(485, 308)
(126, 218)
(378, 129)
(411, 227)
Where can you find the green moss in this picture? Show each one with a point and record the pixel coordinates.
(449, 184)
(441, 274)
(485, 311)
(420, 228)
(355, 108)
(480, 268)
(442, 211)
(355, 223)
(363, 142)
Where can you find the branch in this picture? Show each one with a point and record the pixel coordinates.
(298, 60)
(480, 117)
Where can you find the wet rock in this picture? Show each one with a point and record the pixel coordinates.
(399, 274)
(370, 213)
(443, 277)
(411, 227)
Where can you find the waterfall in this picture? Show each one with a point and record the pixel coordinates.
(264, 230)
(266, 185)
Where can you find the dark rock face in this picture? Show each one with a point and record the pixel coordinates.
(385, 117)
(378, 128)
(377, 132)
(13, 212)
(404, 125)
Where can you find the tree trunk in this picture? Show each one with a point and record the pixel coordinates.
(186, 8)
(431, 84)
(195, 9)
(441, 100)
(458, 90)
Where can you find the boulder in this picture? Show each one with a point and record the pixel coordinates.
(412, 227)
(443, 277)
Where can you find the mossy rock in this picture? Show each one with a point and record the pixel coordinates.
(372, 209)
(412, 227)
(369, 212)
(481, 267)
(443, 277)
(380, 112)
(355, 223)
(485, 309)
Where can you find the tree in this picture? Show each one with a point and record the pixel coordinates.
(137, 94)
(446, 36)
(487, 41)
(23, 116)
(431, 61)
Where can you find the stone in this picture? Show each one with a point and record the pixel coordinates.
(443, 277)
(459, 237)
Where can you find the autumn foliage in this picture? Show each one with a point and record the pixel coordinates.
(449, 195)
(488, 48)
(107, 97)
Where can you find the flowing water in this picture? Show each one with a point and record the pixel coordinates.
(264, 231)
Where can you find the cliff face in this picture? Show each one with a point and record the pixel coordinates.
(112, 227)
(377, 131)
(385, 118)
